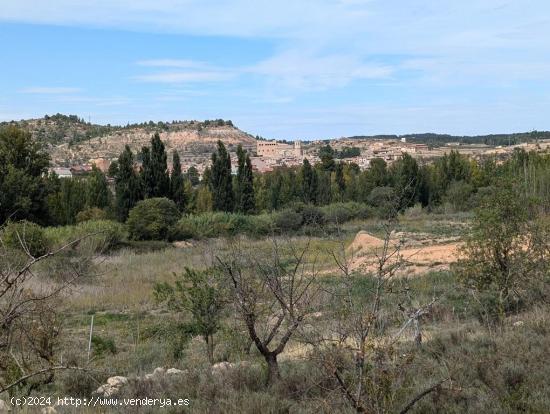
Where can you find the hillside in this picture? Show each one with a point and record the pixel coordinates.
(71, 140)
(442, 139)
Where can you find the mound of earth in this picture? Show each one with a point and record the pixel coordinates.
(365, 242)
(417, 259)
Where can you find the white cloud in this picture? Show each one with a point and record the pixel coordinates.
(172, 63)
(295, 70)
(283, 18)
(328, 43)
(185, 77)
(183, 71)
(48, 90)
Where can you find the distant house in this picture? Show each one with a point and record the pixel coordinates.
(81, 169)
(62, 172)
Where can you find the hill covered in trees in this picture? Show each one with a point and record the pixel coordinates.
(70, 139)
(442, 139)
(71, 129)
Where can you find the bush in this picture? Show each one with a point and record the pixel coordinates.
(459, 196)
(93, 213)
(339, 213)
(152, 219)
(216, 224)
(312, 216)
(24, 235)
(99, 236)
(260, 225)
(102, 345)
(287, 220)
(384, 200)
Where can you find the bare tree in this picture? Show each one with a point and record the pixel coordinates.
(358, 350)
(31, 287)
(273, 293)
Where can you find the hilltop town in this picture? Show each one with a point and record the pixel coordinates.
(75, 145)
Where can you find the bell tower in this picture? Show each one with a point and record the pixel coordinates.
(298, 149)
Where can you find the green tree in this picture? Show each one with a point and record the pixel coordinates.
(152, 219)
(406, 180)
(177, 189)
(506, 253)
(309, 182)
(155, 176)
(127, 185)
(339, 181)
(193, 176)
(326, 154)
(246, 202)
(23, 166)
(203, 200)
(98, 193)
(198, 293)
(68, 201)
(221, 180)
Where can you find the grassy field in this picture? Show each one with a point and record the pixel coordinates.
(493, 369)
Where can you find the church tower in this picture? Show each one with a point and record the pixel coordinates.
(298, 149)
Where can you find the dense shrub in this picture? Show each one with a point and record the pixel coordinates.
(287, 220)
(211, 225)
(102, 345)
(152, 219)
(459, 196)
(312, 215)
(98, 236)
(339, 213)
(93, 213)
(25, 236)
(384, 199)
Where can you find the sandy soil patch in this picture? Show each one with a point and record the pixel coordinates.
(420, 254)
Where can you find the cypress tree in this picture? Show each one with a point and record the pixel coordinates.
(309, 182)
(145, 173)
(177, 191)
(155, 176)
(246, 202)
(339, 179)
(127, 184)
(221, 181)
(193, 175)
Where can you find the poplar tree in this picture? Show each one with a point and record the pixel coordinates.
(97, 190)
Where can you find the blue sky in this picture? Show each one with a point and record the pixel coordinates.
(282, 69)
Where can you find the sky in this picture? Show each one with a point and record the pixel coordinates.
(285, 69)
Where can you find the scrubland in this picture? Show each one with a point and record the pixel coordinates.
(480, 366)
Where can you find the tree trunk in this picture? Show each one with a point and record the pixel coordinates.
(273, 374)
(209, 348)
